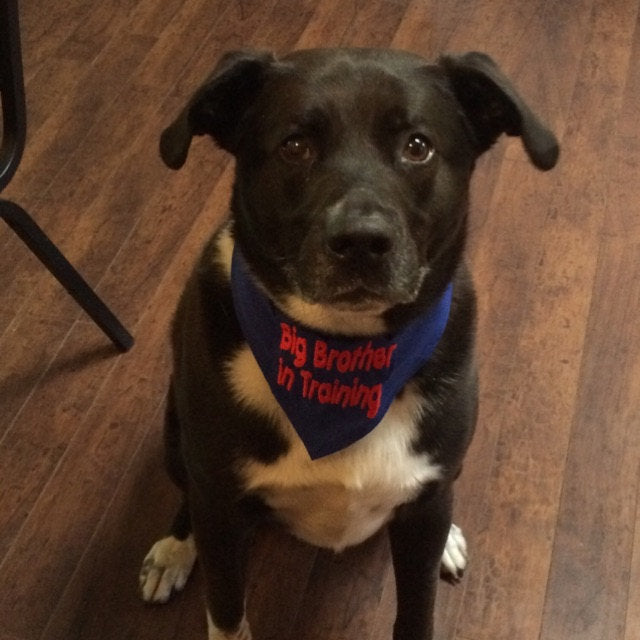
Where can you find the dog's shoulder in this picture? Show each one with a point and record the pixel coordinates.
(216, 427)
(205, 312)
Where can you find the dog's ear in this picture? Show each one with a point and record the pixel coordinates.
(493, 106)
(217, 106)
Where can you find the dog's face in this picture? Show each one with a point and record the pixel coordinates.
(352, 166)
(352, 170)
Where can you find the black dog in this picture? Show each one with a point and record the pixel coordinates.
(324, 369)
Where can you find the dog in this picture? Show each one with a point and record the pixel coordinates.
(323, 369)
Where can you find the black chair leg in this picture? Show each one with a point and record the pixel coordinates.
(24, 226)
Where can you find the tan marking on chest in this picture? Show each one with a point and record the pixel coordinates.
(344, 498)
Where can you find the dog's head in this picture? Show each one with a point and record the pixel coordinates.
(353, 166)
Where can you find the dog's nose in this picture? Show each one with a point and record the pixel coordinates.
(366, 243)
(357, 234)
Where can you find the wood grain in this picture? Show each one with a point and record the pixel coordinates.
(549, 494)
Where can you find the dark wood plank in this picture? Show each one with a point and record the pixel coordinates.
(42, 32)
(58, 527)
(558, 259)
(106, 571)
(625, 223)
(345, 591)
(594, 567)
(555, 258)
(62, 450)
(279, 574)
(632, 619)
(59, 181)
(593, 546)
(55, 406)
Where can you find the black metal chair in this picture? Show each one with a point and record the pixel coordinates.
(14, 132)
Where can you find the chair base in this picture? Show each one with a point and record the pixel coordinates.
(33, 236)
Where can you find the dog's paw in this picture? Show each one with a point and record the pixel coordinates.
(454, 558)
(166, 568)
(241, 633)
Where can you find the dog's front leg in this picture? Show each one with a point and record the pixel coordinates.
(418, 535)
(222, 539)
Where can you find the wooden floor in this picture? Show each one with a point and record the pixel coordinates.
(549, 495)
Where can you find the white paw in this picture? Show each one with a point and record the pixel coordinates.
(166, 568)
(454, 558)
(242, 632)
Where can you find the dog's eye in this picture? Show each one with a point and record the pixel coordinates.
(417, 149)
(298, 150)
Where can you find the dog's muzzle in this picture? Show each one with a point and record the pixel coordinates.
(361, 253)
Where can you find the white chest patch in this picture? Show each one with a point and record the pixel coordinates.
(344, 498)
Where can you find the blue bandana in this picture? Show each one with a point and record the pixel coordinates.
(334, 390)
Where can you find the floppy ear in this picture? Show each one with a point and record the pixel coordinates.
(493, 106)
(217, 106)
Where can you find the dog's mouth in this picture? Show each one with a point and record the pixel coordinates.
(355, 312)
(353, 309)
(362, 294)
(359, 299)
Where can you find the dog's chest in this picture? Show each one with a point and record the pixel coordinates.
(344, 498)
